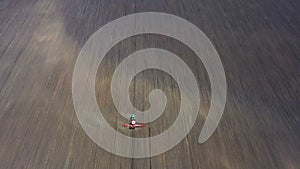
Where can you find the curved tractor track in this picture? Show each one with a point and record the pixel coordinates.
(258, 43)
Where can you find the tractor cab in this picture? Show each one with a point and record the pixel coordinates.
(132, 119)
